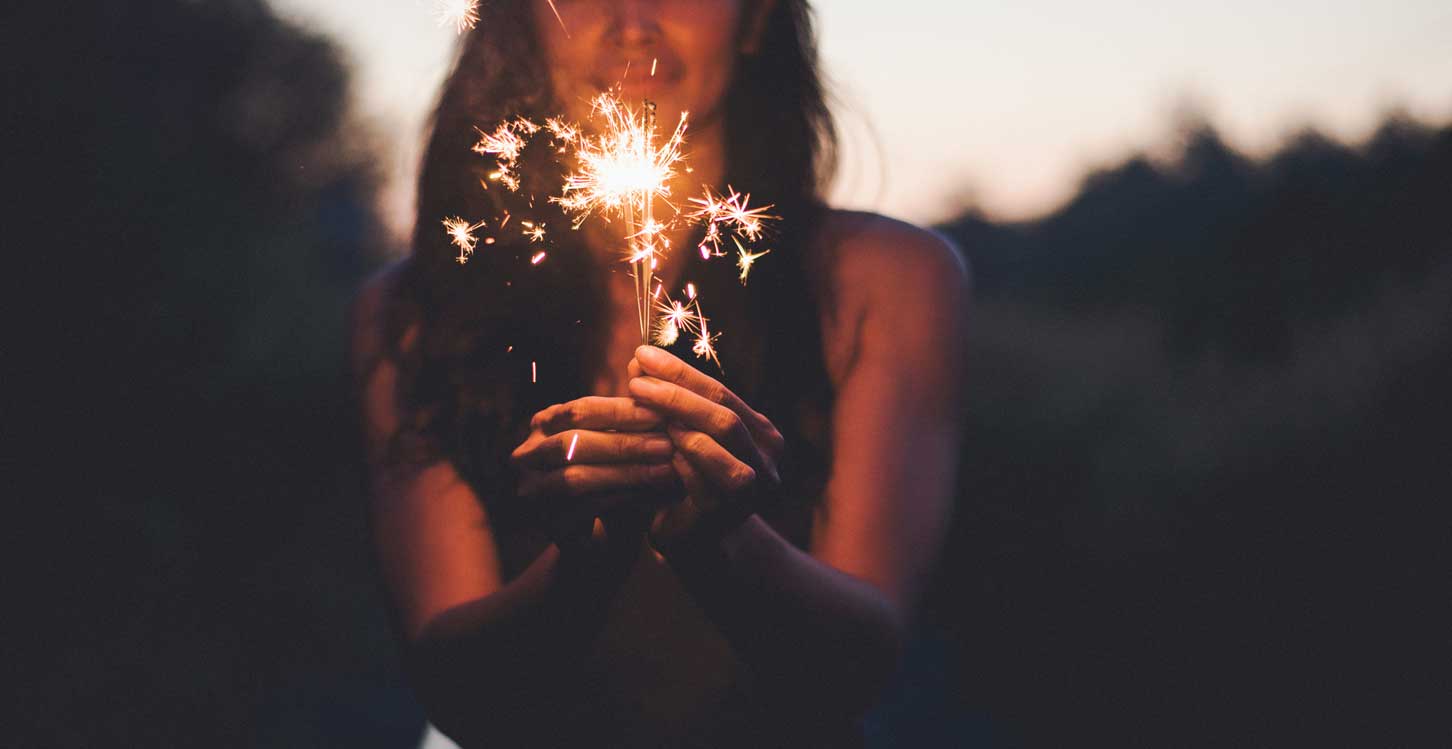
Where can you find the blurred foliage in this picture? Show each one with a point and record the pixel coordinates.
(1200, 455)
(1195, 469)
(214, 586)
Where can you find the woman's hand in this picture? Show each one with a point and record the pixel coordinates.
(726, 452)
(596, 457)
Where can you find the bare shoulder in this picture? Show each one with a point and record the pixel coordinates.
(367, 314)
(894, 287)
(872, 257)
(373, 294)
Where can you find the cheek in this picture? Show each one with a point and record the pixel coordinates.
(705, 37)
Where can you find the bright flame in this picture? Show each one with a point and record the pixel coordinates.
(620, 169)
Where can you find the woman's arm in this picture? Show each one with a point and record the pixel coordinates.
(489, 661)
(486, 658)
(823, 631)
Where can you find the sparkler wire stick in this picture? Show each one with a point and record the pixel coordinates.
(641, 233)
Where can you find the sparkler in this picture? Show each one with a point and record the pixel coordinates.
(621, 170)
(621, 173)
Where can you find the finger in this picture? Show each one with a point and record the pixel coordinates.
(633, 369)
(690, 409)
(690, 478)
(714, 462)
(658, 362)
(580, 480)
(584, 446)
(596, 412)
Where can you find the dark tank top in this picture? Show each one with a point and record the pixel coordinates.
(662, 675)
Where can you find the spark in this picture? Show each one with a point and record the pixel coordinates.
(745, 258)
(667, 334)
(538, 258)
(570, 454)
(505, 143)
(535, 232)
(653, 61)
(704, 346)
(557, 18)
(729, 211)
(677, 318)
(461, 233)
(463, 15)
(533, 372)
(562, 131)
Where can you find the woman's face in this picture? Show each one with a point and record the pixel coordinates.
(693, 45)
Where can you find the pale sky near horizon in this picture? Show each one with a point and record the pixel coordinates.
(1002, 105)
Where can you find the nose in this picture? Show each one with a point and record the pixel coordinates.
(634, 23)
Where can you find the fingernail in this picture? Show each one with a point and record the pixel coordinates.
(649, 355)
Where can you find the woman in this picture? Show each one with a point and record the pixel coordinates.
(587, 540)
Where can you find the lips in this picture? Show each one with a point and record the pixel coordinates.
(637, 79)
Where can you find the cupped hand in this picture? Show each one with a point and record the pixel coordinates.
(726, 452)
(595, 457)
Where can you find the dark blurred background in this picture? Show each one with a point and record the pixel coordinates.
(1198, 496)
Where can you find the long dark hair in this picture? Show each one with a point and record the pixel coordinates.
(488, 329)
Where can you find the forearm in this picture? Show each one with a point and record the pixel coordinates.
(814, 637)
(492, 668)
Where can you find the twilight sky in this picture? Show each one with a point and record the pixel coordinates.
(1005, 105)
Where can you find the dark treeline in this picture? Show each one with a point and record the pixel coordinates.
(1203, 446)
(203, 579)
(1194, 468)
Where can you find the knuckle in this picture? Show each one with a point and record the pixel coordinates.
(724, 422)
(740, 476)
(571, 479)
(717, 393)
(696, 442)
